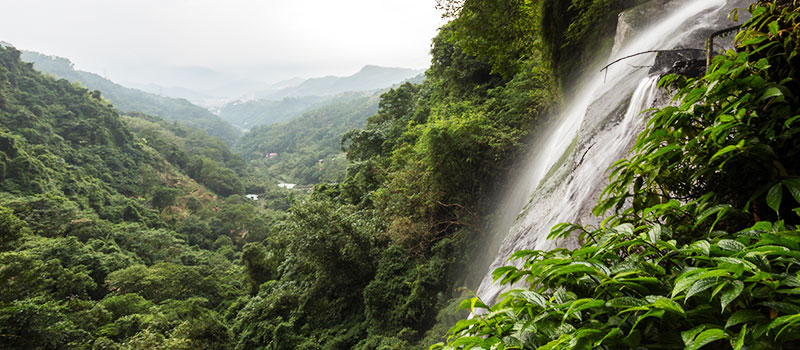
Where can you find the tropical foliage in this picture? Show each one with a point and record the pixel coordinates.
(131, 232)
(307, 149)
(701, 251)
(104, 241)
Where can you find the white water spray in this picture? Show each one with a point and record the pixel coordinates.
(564, 186)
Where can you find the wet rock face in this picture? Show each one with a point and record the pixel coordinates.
(692, 69)
(634, 20)
(687, 62)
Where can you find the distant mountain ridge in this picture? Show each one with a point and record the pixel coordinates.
(128, 99)
(202, 86)
(291, 102)
(308, 147)
(368, 78)
(248, 114)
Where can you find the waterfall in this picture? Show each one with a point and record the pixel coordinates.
(568, 170)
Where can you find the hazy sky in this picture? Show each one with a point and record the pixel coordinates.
(269, 40)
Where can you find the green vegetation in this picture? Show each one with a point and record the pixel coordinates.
(309, 147)
(576, 32)
(114, 236)
(251, 114)
(132, 232)
(373, 261)
(205, 159)
(104, 242)
(132, 100)
(706, 255)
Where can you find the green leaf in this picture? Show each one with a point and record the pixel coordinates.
(688, 336)
(748, 266)
(533, 297)
(794, 188)
(701, 245)
(788, 123)
(610, 334)
(740, 340)
(773, 28)
(654, 233)
(581, 304)
(475, 302)
(625, 302)
(685, 280)
(710, 211)
(669, 305)
(731, 293)
(464, 324)
(782, 307)
(706, 337)
(743, 316)
(734, 15)
(730, 245)
(503, 271)
(785, 321)
(657, 313)
(756, 39)
(466, 342)
(771, 92)
(521, 254)
(700, 286)
(774, 197)
(574, 268)
(626, 228)
(727, 149)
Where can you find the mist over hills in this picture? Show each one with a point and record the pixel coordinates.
(292, 101)
(261, 104)
(368, 78)
(128, 99)
(200, 85)
(309, 145)
(212, 89)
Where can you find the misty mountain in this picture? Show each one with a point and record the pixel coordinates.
(368, 78)
(247, 114)
(308, 147)
(293, 101)
(200, 85)
(193, 96)
(128, 99)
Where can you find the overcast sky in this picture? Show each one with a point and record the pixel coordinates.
(267, 40)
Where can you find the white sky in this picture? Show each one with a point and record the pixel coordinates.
(268, 40)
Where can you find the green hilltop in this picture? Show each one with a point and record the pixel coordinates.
(133, 100)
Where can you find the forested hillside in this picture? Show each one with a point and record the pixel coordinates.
(105, 242)
(133, 232)
(250, 114)
(699, 247)
(143, 255)
(308, 148)
(132, 100)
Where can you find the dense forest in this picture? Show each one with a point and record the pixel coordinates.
(250, 114)
(128, 231)
(699, 246)
(307, 149)
(132, 100)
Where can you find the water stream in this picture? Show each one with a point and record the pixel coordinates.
(568, 170)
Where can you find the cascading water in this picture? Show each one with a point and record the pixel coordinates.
(569, 169)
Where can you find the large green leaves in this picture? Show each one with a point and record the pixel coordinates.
(701, 252)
